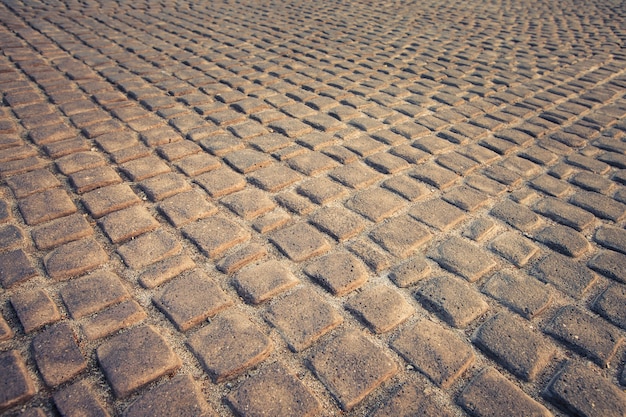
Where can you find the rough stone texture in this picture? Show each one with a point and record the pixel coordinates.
(610, 264)
(261, 282)
(464, 258)
(340, 272)
(115, 318)
(135, 358)
(60, 231)
(401, 236)
(453, 300)
(435, 351)
(563, 240)
(351, 367)
(45, 206)
(515, 345)
(375, 204)
(106, 200)
(565, 274)
(229, 345)
(79, 399)
(15, 267)
(35, 309)
(437, 213)
(581, 390)
(516, 215)
(214, 235)
(75, 258)
(340, 223)
(381, 307)
(491, 394)
(506, 287)
(58, 356)
(592, 336)
(16, 385)
(611, 304)
(274, 391)
(300, 242)
(612, 238)
(410, 272)
(514, 248)
(413, 400)
(302, 317)
(190, 299)
(178, 397)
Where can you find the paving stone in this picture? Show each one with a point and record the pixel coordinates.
(322, 190)
(163, 186)
(401, 236)
(413, 399)
(338, 222)
(514, 248)
(274, 178)
(455, 301)
(190, 299)
(241, 257)
(247, 160)
(486, 185)
(248, 204)
(406, 187)
(295, 203)
(79, 399)
(340, 365)
(506, 286)
(106, 200)
(300, 242)
(464, 259)
(516, 215)
(303, 317)
(74, 258)
(356, 176)
(44, 135)
(259, 283)
(93, 178)
(564, 240)
(197, 164)
(128, 223)
(45, 206)
(16, 386)
(274, 391)
(135, 358)
(144, 168)
(610, 264)
(591, 336)
(589, 164)
(21, 166)
(6, 332)
(15, 267)
(113, 319)
(564, 213)
(381, 308)
(35, 309)
(410, 272)
(465, 198)
(179, 396)
(148, 249)
(216, 234)
(491, 394)
(61, 231)
(565, 274)
(434, 175)
(599, 205)
(92, 293)
(612, 238)
(479, 229)
(437, 213)
(32, 182)
(340, 272)
(229, 345)
(11, 237)
(184, 208)
(370, 253)
(435, 351)
(311, 163)
(582, 391)
(375, 204)
(58, 356)
(513, 343)
(5, 213)
(592, 182)
(611, 305)
(221, 182)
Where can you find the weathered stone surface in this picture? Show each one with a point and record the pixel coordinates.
(565, 274)
(248, 204)
(511, 341)
(611, 304)
(79, 399)
(35, 309)
(584, 392)
(351, 367)
(339, 272)
(216, 234)
(453, 300)
(115, 318)
(261, 282)
(75, 258)
(60, 231)
(464, 258)
(274, 391)
(300, 242)
(178, 397)
(599, 205)
(610, 264)
(491, 394)
(45, 206)
(15, 267)
(413, 399)
(612, 238)
(229, 345)
(106, 200)
(401, 236)
(135, 358)
(516, 215)
(506, 287)
(564, 240)
(58, 356)
(515, 248)
(338, 222)
(381, 308)
(375, 204)
(16, 385)
(190, 299)
(590, 335)
(435, 351)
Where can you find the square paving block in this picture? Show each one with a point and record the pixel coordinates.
(215, 235)
(339, 272)
(381, 308)
(261, 282)
(135, 358)
(300, 242)
(15, 267)
(186, 207)
(92, 293)
(375, 204)
(58, 356)
(35, 309)
(249, 204)
(16, 385)
(45, 206)
(401, 236)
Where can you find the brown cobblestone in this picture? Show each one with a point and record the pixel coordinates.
(58, 355)
(186, 207)
(16, 386)
(464, 259)
(229, 345)
(340, 273)
(413, 400)
(113, 319)
(375, 204)
(611, 304)
(32, 182)
(453, 300)
(259, 283)
(311, 163)
(565, 274)
(248, 204)
(381, 308)
(79, 398)
(584, 392)
(15, 267)
(221, 182)
(516, 215)
(300, 242)
(87, 295)
(599, 205)
(35, 309)
(590, 335)
(401, 236)
(610, 264)
(491, 394)
(128, 223)
(216, 234)
(274, 178)
(274, 391)
(109, 199)
(611, 238)
(564, 213)
(74, 258)
(45, 206)
(303, 317)
(165, 185)
(355, 175)
(179, 396)
(11, 237)
(564, 240)
(135, 358)
(506, 286)
(148, 249)
(514, 248)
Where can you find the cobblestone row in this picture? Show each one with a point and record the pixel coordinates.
(329, 208)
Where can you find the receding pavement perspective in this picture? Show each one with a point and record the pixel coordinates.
(294, 208)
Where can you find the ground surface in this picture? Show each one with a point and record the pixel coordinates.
(312, 208)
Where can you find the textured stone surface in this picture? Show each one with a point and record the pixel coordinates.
(300, 242)
(261, 282)
(58, 356)
(75, 258)
(381, 308)
(79, 398)
(214, 235)
(35, 309)
(17, 385)
(339, 272)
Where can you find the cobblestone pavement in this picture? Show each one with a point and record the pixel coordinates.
(290, 208)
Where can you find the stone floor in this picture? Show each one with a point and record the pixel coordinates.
(368, 208)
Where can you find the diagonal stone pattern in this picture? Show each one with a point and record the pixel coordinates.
(372, 208)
